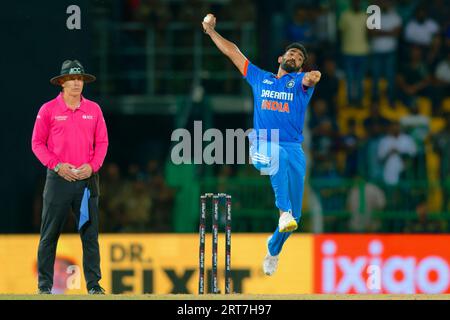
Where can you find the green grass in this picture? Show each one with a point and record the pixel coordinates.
(230, 297)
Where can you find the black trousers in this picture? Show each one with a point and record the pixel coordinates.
(59, 197)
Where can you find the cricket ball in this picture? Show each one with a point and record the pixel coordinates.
(208, 18)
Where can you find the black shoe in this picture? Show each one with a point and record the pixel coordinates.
(96, 290)
(45, 291)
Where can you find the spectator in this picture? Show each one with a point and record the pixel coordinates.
(441, 145)
(394, 150)
(355, 49)
(421, 30)
(350, 146)
(414, 79)
(362, 205)
(384, 43)
(418, 127)
(329, 85)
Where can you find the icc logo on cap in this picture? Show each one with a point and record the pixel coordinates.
(75, 70)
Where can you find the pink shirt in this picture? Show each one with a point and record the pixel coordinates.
(76, 137)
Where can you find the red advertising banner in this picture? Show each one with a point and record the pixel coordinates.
(394, 264)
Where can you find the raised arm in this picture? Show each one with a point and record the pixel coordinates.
(228, 48)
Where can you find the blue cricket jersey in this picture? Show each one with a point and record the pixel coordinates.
(279, 103)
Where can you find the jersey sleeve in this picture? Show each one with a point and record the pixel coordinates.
(305, 92)
(252, 73)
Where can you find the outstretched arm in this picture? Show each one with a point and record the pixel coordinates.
(228, 48)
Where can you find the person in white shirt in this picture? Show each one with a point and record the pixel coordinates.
(383, 45)
(393, 150)
(421, 29)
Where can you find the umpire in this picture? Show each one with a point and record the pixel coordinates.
(70, 138)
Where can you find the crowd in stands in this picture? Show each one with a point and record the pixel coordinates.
(393, 134)
(137, 200)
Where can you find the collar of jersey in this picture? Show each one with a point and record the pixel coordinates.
(64, 108)
(291, 74)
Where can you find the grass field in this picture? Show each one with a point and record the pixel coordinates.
(230, 297)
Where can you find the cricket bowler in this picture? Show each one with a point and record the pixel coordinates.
(280, 103)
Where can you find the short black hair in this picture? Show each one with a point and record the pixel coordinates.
(299, 46)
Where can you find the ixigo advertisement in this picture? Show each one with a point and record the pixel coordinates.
(395, 264)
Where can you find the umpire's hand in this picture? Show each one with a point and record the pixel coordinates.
(65, 171)
(84, 171)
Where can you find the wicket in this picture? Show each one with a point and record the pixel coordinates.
(215, 239)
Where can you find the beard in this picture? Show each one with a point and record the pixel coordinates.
(289, 66)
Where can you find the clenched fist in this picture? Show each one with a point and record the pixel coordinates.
(209, 23)
(310, 79)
